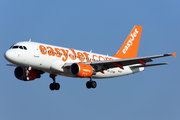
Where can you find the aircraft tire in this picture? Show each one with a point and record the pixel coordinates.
(26, 78)
(88, 84)
(93, 84)
(54, 86)
(51, 86)
(57, 86)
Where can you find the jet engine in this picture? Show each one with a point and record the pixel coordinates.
(81, 70)
(20, 73)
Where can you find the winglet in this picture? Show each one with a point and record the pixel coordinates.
(174, 54)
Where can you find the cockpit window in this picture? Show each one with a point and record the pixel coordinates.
(14, 47)
(20, 47)
(25, 47)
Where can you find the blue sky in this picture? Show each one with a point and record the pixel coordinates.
(101, 26)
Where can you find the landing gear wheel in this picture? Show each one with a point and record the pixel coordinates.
(57, 86)
(93, 84)
(54, 86)
(88, 84)
(51, 86)
(26, 78)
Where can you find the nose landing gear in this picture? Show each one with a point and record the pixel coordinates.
(26, 78)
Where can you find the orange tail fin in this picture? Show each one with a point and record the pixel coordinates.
(129, 48)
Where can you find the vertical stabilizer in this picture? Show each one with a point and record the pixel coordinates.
(129, 48)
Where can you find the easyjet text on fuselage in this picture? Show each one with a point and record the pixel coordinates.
(70, 53)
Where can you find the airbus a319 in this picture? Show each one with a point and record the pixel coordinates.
(33, 59)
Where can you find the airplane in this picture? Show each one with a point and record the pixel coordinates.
(32, 59)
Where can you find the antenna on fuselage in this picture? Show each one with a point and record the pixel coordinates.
(29, 40)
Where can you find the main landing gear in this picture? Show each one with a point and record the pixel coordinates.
(91, 84)
(54, 85)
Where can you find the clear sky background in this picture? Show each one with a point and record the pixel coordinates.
(101, 26)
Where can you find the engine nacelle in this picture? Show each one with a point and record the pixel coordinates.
(81, 70)
(20, 73)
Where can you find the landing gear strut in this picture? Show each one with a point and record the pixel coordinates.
(26, 78)
(54, 85)
(91, 84)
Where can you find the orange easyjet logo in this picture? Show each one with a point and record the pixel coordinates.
(130, 41)
(70, 53)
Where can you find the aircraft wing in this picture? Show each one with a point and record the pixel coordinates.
(124, 62)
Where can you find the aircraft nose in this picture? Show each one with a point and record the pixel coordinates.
(8, 55)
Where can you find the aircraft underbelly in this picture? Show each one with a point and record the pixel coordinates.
(116, 72)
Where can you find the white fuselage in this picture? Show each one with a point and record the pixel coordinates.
(51, 59)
